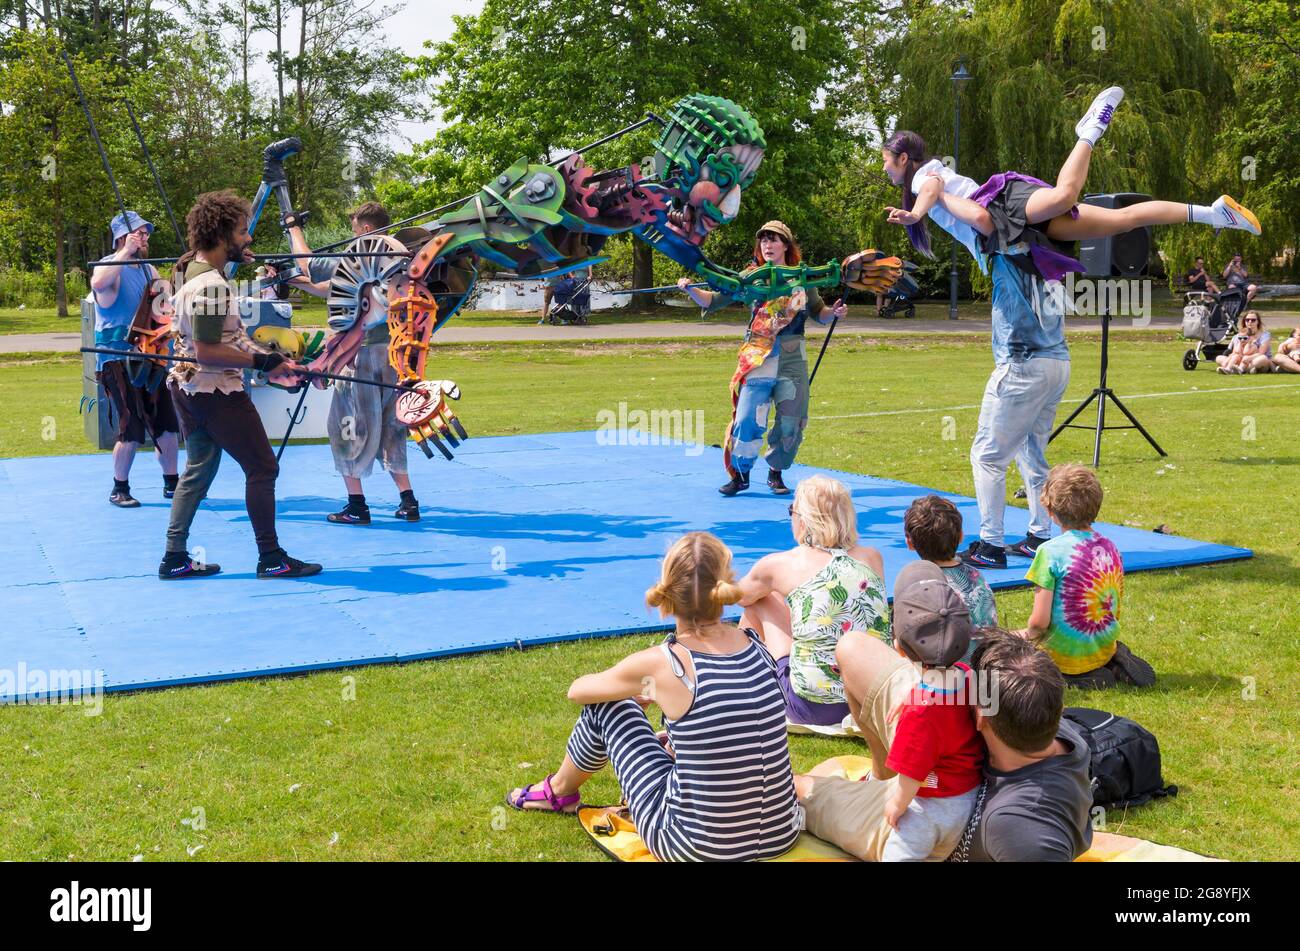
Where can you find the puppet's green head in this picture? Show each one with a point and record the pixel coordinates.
(707, 154)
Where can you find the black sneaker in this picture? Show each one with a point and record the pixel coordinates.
(774, 482)
(350, 516)
(169, 489)
(738, 483)
(1027, 546)
(278, 564)
(123, 500)
(408, 511)
(1099, 679)
(177, 565)
(1129, 668)
(983, 555)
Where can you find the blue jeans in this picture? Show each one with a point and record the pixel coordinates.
(1016, 419)
(787, 387)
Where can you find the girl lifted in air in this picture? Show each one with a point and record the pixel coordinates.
(1013, 212)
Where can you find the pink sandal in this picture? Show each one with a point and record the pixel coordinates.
(531, 793)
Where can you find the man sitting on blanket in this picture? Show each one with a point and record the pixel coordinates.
(1036, 798)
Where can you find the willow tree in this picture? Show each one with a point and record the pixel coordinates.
(1036, 65)
(1257, 150)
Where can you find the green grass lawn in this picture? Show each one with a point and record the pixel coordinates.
(416, 765)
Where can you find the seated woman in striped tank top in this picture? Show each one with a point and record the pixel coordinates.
(803, 600)
(725, 791)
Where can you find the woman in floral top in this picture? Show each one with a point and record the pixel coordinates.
(803, 600)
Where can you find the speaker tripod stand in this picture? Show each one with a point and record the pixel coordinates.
(1101, 394)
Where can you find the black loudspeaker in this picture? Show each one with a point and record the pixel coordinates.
(1123, 255)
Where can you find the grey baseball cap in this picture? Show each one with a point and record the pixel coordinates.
(931, 621)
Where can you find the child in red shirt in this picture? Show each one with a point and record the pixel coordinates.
(936, 751)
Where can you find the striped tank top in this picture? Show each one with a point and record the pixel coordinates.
(731, 796)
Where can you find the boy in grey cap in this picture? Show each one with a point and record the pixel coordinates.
(936, 750)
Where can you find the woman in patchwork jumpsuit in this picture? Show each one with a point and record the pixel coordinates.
(772, 368)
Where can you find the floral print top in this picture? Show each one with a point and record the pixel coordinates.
(845, 595)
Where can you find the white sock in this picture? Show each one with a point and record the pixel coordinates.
(1200, 214)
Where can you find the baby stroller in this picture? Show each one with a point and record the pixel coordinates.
(1211, 322)
(571, 303)
(898, 299)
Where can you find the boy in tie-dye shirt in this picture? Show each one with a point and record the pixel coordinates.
(1080, 581)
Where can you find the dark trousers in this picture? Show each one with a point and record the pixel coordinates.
(211, 423)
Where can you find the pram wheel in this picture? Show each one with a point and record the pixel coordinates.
(1189, 360)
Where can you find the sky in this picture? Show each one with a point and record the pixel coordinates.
(417, 22)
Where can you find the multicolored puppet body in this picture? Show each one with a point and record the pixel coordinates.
(542, 221)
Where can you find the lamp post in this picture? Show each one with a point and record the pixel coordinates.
(960, 77)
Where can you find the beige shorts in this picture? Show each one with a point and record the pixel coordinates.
(852, 814)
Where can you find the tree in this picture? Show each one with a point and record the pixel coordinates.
(1257, 148)
(1037, 64)
(52, 175)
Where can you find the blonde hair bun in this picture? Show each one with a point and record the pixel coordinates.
(696, 580)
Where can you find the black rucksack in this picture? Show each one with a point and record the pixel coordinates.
(1125, 766)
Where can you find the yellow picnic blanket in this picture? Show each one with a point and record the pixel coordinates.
(613, 831)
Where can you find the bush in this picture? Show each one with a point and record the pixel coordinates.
(37, 289)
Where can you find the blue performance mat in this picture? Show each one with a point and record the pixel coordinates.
(524, 540)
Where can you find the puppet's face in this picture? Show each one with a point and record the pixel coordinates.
(706, 157)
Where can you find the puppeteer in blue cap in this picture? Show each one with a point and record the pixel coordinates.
(122, 225)
(125, 287)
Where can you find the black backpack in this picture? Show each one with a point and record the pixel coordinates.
(1125, 767)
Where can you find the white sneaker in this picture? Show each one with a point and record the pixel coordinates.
(1096, 120)
(1229, 214)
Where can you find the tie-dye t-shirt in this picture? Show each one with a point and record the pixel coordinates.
(1085, 574)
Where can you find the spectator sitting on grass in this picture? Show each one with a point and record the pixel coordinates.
(1080, 581)
(936, 751)
(1037, 794)
(1288, 354)
(803, 600)
(933, 529)
(1251, 348)
(721, 788)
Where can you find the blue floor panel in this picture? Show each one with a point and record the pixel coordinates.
(525, 540)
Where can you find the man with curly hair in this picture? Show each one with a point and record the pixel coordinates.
(216, 413)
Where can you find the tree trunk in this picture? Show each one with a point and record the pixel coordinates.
(279, 66)
(60, 282)
(643, 275)
(144, 39)
(243, 98)
(643, 271)
(126, 31)
(302, 58)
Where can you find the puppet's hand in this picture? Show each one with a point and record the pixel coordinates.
(870, 270)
